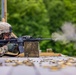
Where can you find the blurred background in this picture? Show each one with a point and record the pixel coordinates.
(40, 18)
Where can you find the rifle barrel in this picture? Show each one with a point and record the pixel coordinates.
(36, 39)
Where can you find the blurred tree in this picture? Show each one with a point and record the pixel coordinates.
(60, 11)
(42, 18)
(28, 18)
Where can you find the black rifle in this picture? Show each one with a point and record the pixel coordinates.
(20, 41)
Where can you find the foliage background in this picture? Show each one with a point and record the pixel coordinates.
(40, 18)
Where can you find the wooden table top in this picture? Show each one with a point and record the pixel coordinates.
(43, 54)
